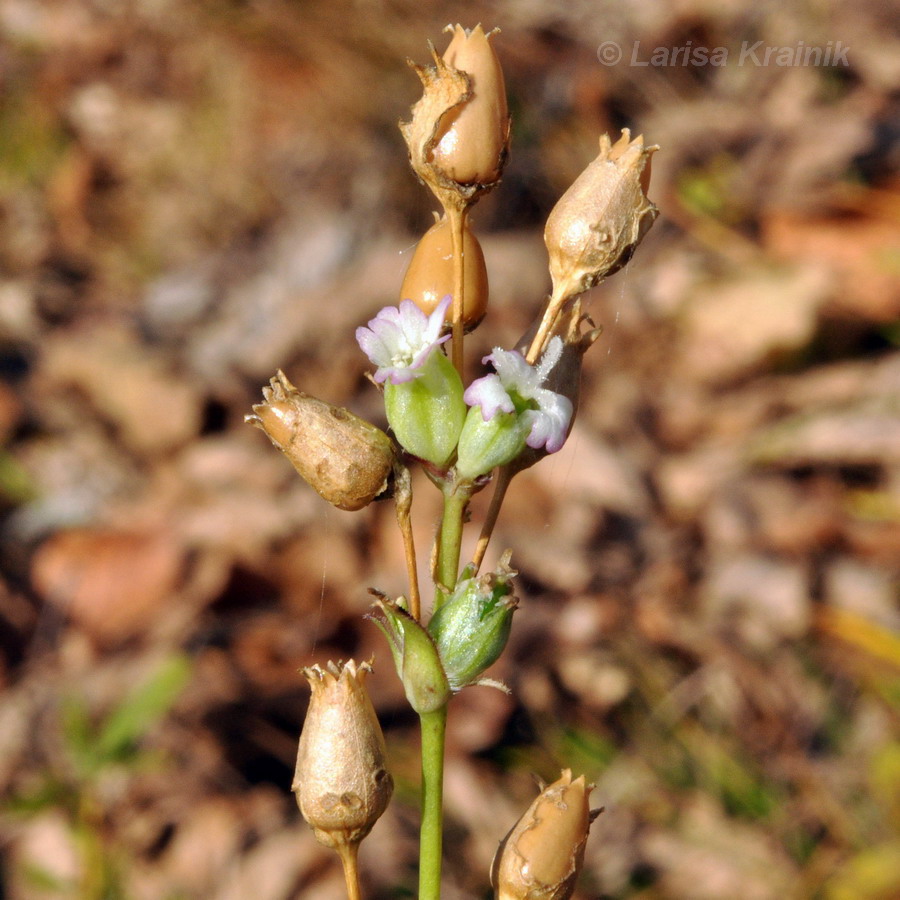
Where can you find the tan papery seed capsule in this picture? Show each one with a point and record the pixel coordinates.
(595, 227)
(341, 783)
(472, 141)
(470, 122)
(542, 855)
(429, 277)
(346, 459)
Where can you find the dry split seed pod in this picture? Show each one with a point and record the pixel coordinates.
(595, 227)
(473, 138)
(541, 857)
(341, 783)
(346, 459)
(458, 135)
(429, 277)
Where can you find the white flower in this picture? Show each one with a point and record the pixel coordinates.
(399, 340)
(517, 388)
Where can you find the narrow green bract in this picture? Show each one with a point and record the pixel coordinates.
(416, 659)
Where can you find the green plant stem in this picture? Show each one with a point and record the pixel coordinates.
(93, 862)
(455, 501)
(434, 725)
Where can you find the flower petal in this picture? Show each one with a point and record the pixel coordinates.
(548, 424)
(411, 321)
(513, 371)
(436, 319)
(399, 340)
(549, 358)
(372, 345)
(488, 393)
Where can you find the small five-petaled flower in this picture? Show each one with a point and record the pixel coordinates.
(517, 387)
(399, 340)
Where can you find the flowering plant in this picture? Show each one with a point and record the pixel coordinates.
(502, 422)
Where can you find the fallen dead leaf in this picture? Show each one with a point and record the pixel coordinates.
(112, 584)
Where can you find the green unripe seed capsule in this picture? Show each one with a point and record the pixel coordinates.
(472, 626)
(485, 445)
(427, 413)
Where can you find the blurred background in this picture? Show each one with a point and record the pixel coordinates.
(194, 193)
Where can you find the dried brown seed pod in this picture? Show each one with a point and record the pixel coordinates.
(595, 227)
(458, 136)
(542, 855)
(473, 138)
(346, 459)
(429, 277)
(341, 782)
